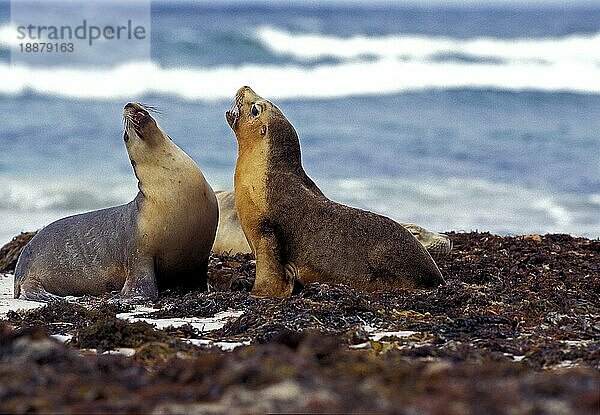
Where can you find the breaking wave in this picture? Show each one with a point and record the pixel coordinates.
(361, 65)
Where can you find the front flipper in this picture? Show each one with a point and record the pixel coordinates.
(141, 282)
(271, 276)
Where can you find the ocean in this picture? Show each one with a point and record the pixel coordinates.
(455, 118)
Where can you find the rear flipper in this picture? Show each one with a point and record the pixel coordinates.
(140, 284)
(32, 290)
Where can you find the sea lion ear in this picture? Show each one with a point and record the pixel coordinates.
(263, 130)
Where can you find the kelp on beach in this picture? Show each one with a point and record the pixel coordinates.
(515, 329)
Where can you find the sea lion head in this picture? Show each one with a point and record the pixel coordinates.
(145, 141)
(437, 244)
(250, 114)
(254, 119)
(140, 126)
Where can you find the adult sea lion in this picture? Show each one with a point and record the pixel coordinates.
(298, 234)
(231, 239)
(161, 239)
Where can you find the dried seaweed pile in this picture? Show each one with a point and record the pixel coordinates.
(295, 372)
(10, 252)
(516, 329)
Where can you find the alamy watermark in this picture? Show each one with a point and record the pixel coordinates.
(72, 33)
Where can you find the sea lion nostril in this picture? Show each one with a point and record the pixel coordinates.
(125, 136)
(129, 105)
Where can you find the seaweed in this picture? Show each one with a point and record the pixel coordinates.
(514, 329)
(9, 253)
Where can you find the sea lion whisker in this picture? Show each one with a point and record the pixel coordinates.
(129, 123)
(130, 120)
(151, 108)
(127, 118)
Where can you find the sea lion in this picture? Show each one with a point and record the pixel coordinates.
(297, 234)
(231, 239)
(437, 244)
(160, 240)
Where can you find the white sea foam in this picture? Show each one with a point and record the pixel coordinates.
(36, 195)
(7, 36)
(554, 210)
(397, 63)
(386, 76)
(469, 204)
(568, 49)
(440, 204)
(594, 198)
(29, 204)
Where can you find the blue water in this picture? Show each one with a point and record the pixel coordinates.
(439, 129)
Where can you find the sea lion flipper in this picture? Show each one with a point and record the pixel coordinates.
(271, 277)
(141, 283)
(32, 290)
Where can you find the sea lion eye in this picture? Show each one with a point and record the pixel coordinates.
(254, 110)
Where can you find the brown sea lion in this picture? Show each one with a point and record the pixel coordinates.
(231, 239)
(161, 239)
(296, 232)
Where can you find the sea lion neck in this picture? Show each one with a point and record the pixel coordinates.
(284, 145)
(163, 171)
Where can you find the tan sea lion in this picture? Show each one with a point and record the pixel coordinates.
(161, 239)
(296, 232)
(231, 239)
(437, 244)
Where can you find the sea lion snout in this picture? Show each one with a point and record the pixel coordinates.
(232, 116)
(240, 95)
(139, 122)
(136, 112)
(245, 111)
(247, 92)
